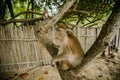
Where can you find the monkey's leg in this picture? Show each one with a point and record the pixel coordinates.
(65, 65)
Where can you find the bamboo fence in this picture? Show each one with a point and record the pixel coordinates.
(20, 49)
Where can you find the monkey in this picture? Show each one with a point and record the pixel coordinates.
(70, 52)
(45, 14)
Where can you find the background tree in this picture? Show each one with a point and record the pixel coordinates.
(3, 6)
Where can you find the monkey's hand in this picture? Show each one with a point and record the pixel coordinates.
(53, 63)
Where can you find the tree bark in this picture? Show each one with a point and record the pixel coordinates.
(106, 35)
(2, 8)
(9, 4)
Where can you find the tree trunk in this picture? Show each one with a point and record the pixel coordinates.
(2, 8)
(106, 35)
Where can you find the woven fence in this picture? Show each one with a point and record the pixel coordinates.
(87, 36)
(20, 49)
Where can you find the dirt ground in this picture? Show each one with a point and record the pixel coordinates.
(102, 68)
(39, 73)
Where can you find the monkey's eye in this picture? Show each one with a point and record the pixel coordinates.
(58, 30)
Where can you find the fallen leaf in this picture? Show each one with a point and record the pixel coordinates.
(23, 76)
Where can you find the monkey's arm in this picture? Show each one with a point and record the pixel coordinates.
(60, 57)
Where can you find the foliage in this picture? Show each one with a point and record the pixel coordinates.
(83, 12)
(89, 11)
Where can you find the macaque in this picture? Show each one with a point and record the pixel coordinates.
(70, 51)
(45, 14)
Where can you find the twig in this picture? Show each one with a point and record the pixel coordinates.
(20, 21)
(25, 13)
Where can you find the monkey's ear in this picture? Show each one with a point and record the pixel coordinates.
(69, 32)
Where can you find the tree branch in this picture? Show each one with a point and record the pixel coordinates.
(25, 13)
(106, 35)
(59, 16)
(47, 43)
(20, 21)
(78, 11)
(92, 22)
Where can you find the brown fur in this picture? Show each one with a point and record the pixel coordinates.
(72, 52)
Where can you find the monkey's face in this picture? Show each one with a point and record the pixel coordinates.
(60, 34)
